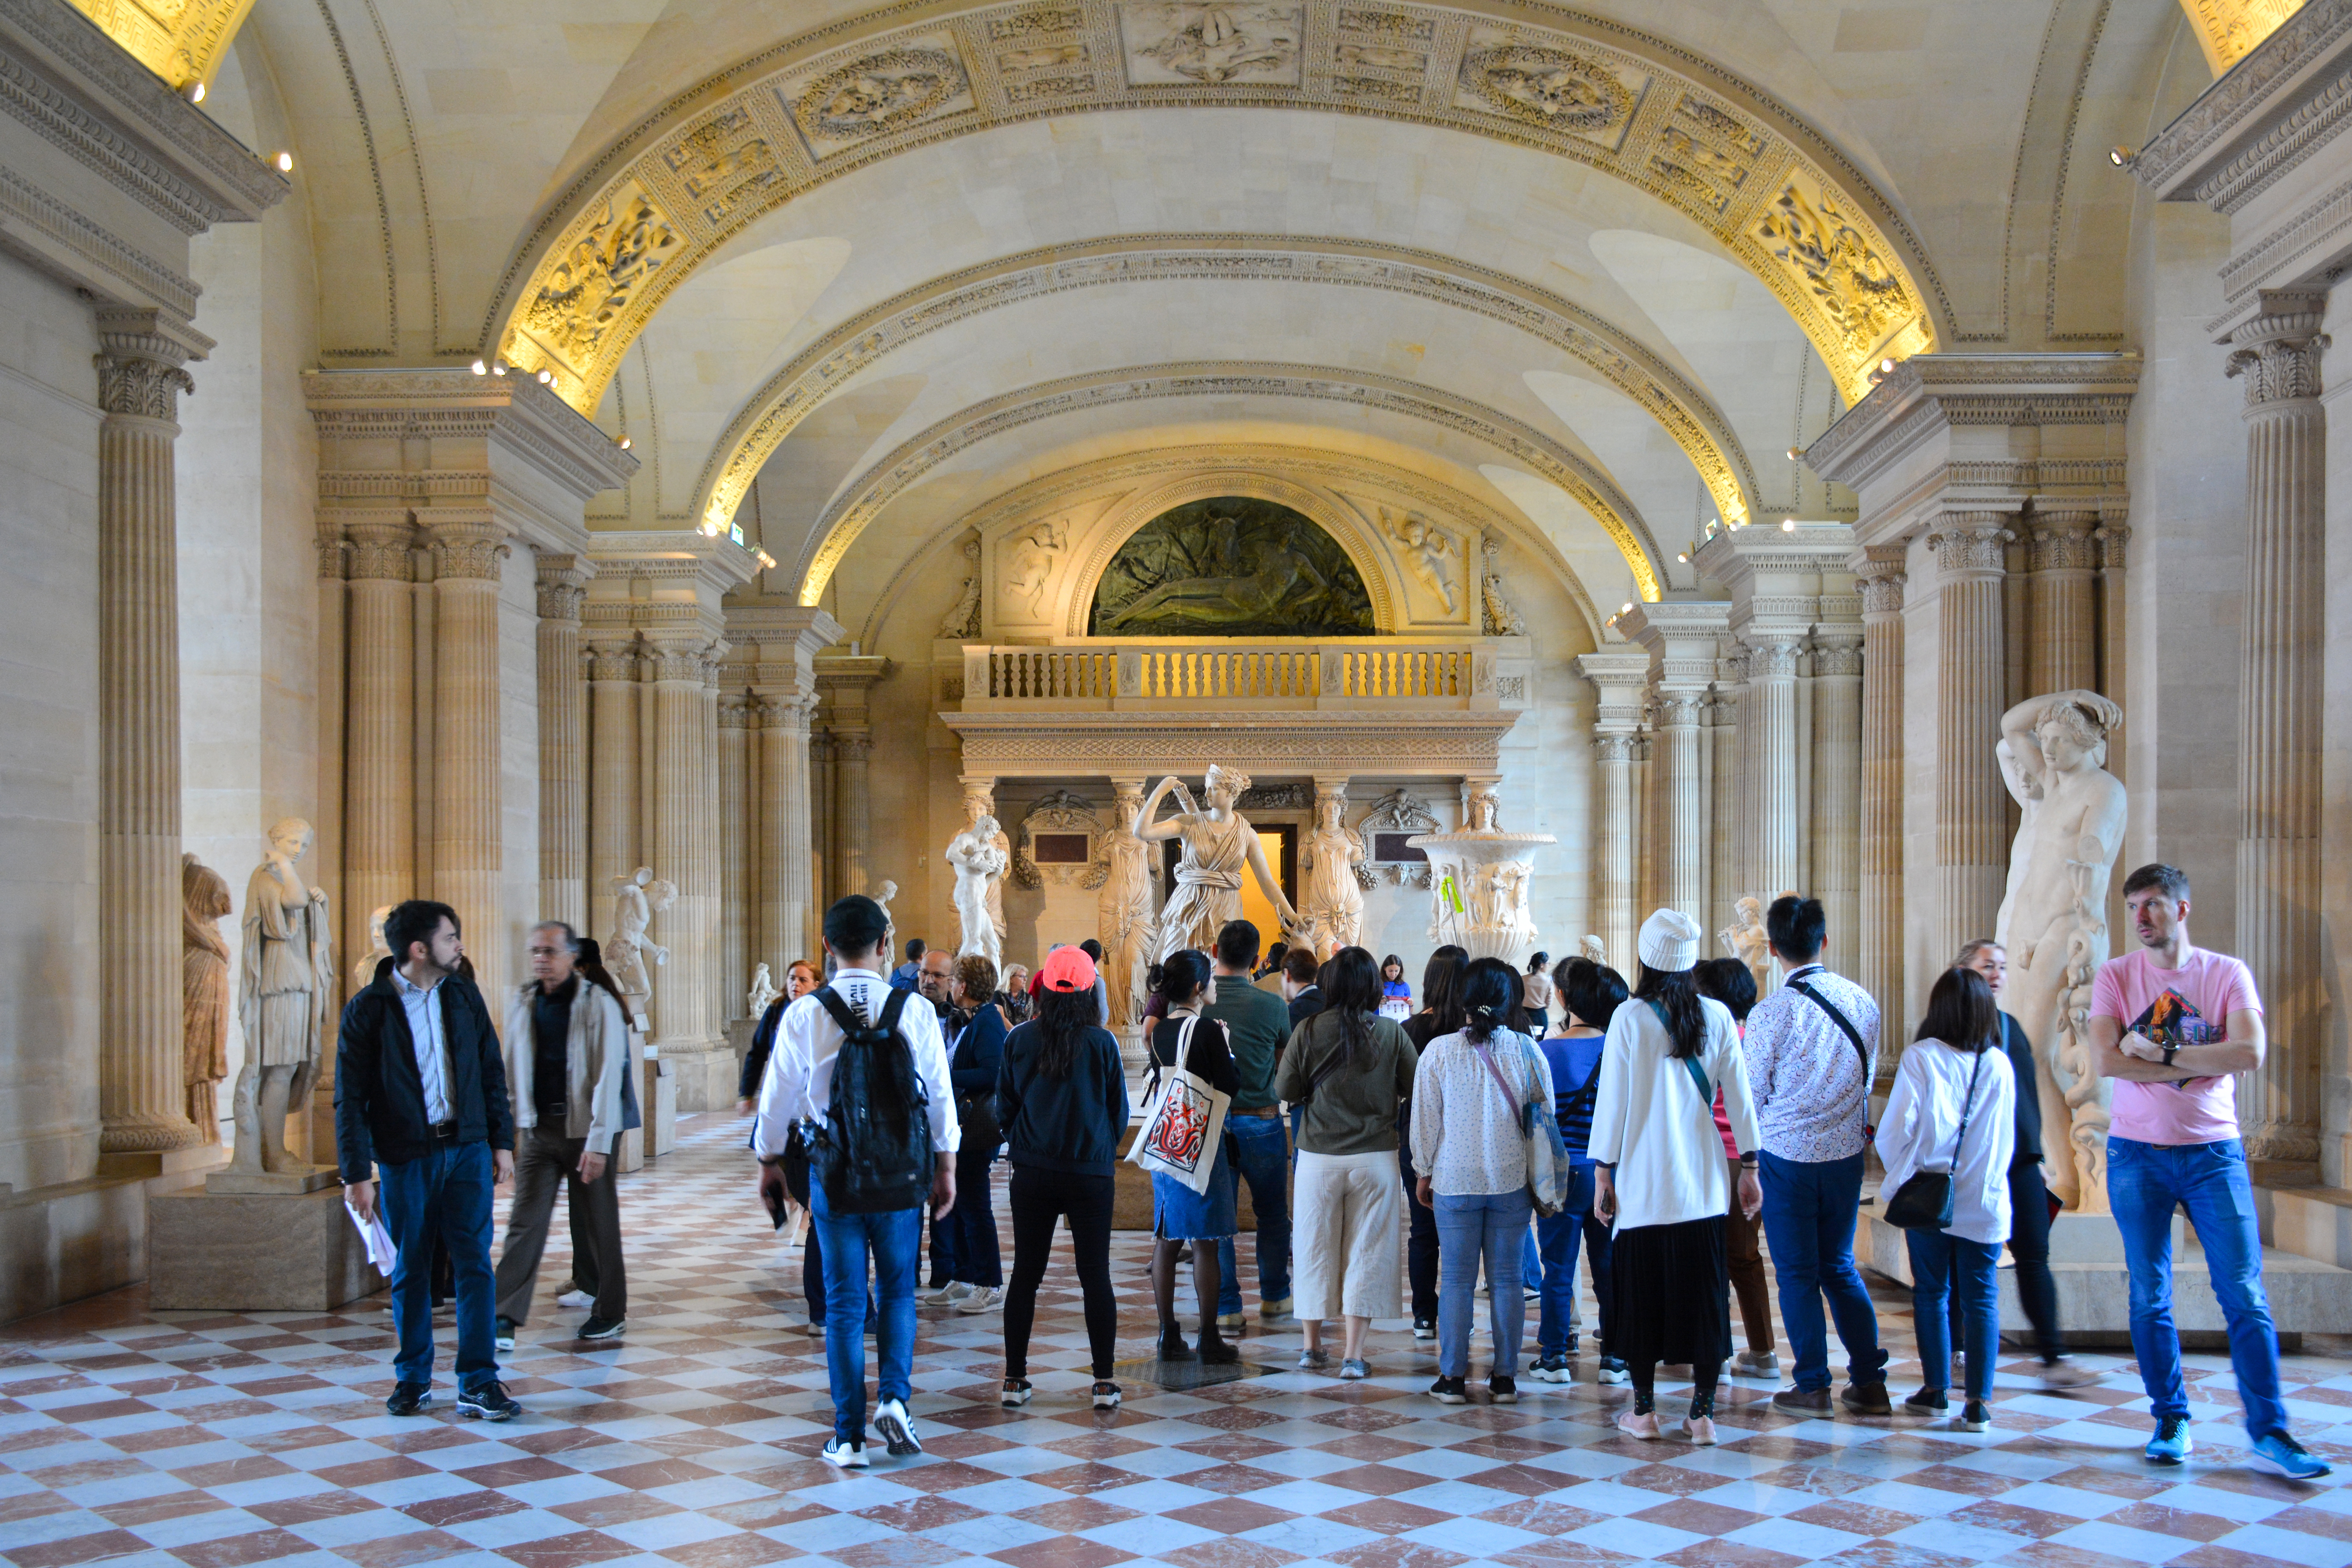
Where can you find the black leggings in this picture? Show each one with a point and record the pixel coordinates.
(1702, 1382)
(1038, 1199)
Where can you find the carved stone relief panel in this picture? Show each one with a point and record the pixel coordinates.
(1183, 42)
(1061, 842)
(1543, 84)
(848, 100)
(1394, 818)
(614, 255)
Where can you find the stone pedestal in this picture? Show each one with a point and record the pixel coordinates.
(255, 1184)
(268, 1253)
(657, 1098)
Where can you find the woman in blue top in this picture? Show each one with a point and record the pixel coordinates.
(1590, 994)
(1396, 996)
(976, 1280)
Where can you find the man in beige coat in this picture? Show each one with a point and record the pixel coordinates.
(567, 1051)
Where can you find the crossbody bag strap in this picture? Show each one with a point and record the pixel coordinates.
(1496, 1074)
(1845, 1026)
(1968, 1104)
(1690, 1064)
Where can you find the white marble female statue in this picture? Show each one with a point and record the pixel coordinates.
(763, 991)
(977, 862)
(1331, 905)
(636, 899)
(2057, 924)
(1123, 916)
(1219, 846)
(1591, 950)
(203, 993)
(2027, 795)
(364, 968)
(285, 993)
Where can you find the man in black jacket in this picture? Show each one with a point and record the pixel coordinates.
(421, 1102)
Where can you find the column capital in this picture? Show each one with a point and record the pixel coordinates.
(2062, 540)
(469, 550)
(688, 663)
(1613, 748)
(2114, 540)
(140, 359)
(734, 710)
(380, 549)
(1839, 655)
(1972, 544)
(1772, 653)
(1879, 575)
(1679, 710)
(562, 583)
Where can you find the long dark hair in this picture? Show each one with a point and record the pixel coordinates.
(1179, 979)
(1354, 994)
(1685, 1020)
(1490, 990)
(591, 962)
(1729, 981)
(1063, 1019)
(1441, 987)
(1390, 959)
(1960, 1012)
(1589, 993)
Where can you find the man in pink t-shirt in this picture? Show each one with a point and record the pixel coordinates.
(2169, 1023)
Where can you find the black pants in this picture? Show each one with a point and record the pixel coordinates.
(1420, 1238)
(2029, 1243)
(1037, 1199)
(544, 1161)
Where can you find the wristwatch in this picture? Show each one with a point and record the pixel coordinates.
(2167, 1055)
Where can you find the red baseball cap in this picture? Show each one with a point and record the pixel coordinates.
(1066, 969)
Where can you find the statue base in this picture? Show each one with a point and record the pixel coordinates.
(233, 1182)
(269, 1252)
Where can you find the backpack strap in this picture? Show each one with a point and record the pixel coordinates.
(1845, 1026)
(1690, 1064)
(833, 1003)
(891, 1009)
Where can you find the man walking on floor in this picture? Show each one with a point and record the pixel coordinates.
(1812, 1050)
(569, 1055)
(2169, 1023)
(1256, 1024)
(421, 1106)
(871, 1073)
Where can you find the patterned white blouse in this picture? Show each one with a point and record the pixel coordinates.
(1466, 1137)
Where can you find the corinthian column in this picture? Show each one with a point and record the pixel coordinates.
(562, 744)
(2062, 651)
(1882, 582)
(786, 889)
(1680, 822)
(1836, 805)
(850, 754)
(142, 1103)
(1774, 801)
(2280, 682)
(684, 1010)
(736, 835)
(2114, 543)
(1613, 754)
(1724, 870)
(380, 721)
(611, 770)
(469, 845)
(1971, 801)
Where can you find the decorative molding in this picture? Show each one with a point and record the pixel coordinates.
(36, 209)
(1060, 812)
(1055, 745)
(2221, 111)
(1275, 797)
(2277, 352)
(1399, 811)
(394, 405)
(180, 40)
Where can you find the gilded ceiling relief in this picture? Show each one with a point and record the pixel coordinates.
(1844, 268)
(1556, 89)
(595, 280)
(1178, 43)
(2229, 29)
(179, 40)
(922, 79)
(724, 164)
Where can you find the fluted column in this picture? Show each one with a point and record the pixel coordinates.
(736, 837)
(1835, 793)
(824, 861)
(468, 842)
(142, 1105)
(1680, 833)
(685, 1012)
(1613, 754)
(785, 888)
(2114, 548)
(562, 744)
(1775, 799)
(378, 722)
(612, 847)
(1971, 801)
(854, 808)
(2280, 673)
(1881, 813)
(1725, 874)
(2063, 645)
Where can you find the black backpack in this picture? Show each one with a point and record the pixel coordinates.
(873, 1151)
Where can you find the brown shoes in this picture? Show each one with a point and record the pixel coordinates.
(1866, 1398)
(1806, 1401)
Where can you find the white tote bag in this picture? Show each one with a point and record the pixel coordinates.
(1184, 1126)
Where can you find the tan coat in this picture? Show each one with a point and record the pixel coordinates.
(596, 1055)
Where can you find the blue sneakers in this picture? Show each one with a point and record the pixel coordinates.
(2283, 1455)
(2170, 1445)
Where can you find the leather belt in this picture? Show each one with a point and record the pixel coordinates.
(443, 1129)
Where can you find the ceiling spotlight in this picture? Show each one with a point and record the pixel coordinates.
(285, 162)
(2121, 157)
(1796, 453)
(1626, 609)
(767, 561)
(1788, 525)
(1684, 558)
(499, 367)
(625, 442)
(546, 378)
(1886, 366)
(195, 93)
(481, 368)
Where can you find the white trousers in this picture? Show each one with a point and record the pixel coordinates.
(1347, 1225)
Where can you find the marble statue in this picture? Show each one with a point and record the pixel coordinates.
(1499, 616)
(1428, 553)
(1219, 844)
(203, 993)
(961, 623)
(1331, 906)
(2020, 851)
(286, 994)
(636, 899)
(882, 895)
(364, 970)
(1745, 937)
(1480, 880)
(2057, 924)
(1591, 950)
(1036, 551)
(764, 991)
(1124, 914)
(978, 862)
(979, 804)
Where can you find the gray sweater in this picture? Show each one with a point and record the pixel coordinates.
(1354, 1110)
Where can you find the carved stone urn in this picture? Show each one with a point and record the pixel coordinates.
(1479, 881)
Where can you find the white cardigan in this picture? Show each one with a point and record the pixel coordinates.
(1650, 1121)
(1923, 1116)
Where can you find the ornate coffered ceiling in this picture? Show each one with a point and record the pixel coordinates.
(622, 236)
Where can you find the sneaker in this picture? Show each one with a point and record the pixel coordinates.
(572, 1296)
(1866, 1398)
(1758, 1364)
(982, 1301)
(2171, 1443)
(604, 1328)
(1808, 1401)
(2064, 1373)
(505, 1339)
(1105, 1395)
(1173, 1348)
(1530, 1297)
(1014, 1394)
(2283, 1455)
(1232, 1320)
(1314, 1358)
(1644, 1425)
(1354, 1369)
(1571, 1343)
(1927, 1402)
(1424, 1327)
(1614, 1371)
(948, 1295)
(848, 1456)
(408, 1398)
(1551, 1369)
(488, 1401)
(1450, 1391)
(1217, 1351)
(897, 1429)
(1702, 1431)
(1274, 1312)
(1976, 1415)
(1503, 1390)
(814, 1327)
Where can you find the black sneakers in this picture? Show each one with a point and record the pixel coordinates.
(408, 1398)
(604, 1328)
(488, 1401)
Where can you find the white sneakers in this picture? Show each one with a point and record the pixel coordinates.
(897, 1429)
(948, 1295)
(975, 1301)
(848, 1456)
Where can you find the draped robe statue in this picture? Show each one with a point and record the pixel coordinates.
(1220, 846)
(980, 864)
(1331, 905)
(203, 991)
(287, 987)
(1124, 915)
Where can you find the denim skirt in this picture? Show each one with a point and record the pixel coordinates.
(1179, 1214)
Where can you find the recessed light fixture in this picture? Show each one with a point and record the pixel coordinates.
(481, 367)
(285, 162)
(625, 442)
(2120, 157)
(195, 93)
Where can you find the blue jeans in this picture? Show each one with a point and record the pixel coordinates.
(1810, 1207)
(891, 1239)
(1471, 1226)
(970, 1226)
(1952, 1279)
(1559, 1235)
(446, 1193)
(1261, 1156)
(2144, 1181)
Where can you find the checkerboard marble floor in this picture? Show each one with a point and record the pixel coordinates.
(211, 1440)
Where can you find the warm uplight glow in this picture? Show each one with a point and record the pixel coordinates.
(1795, 453)
(285, 163)
(546, 377)
(1788, 525)
(1886, 367)
(195, 93)
(481, 368)
(625, 442)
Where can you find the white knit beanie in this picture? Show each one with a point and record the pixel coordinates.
(1669, 941)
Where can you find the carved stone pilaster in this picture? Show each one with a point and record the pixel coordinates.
(1883, 582)
(561, 581)
(1971, 801)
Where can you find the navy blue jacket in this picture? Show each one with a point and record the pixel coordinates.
(979, 1053)
(763, 1046)
(1072, 1123)
(380, 1096)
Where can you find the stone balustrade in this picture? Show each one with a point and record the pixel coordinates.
(1269, 673)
